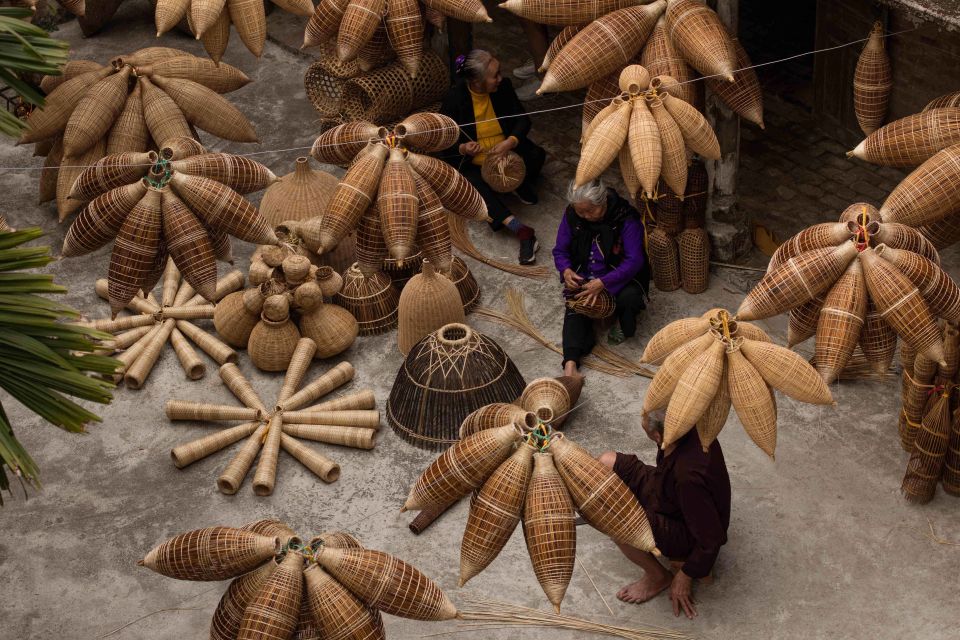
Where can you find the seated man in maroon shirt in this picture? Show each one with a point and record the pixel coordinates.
(687, 500)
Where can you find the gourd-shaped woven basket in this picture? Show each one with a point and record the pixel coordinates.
(445, 377)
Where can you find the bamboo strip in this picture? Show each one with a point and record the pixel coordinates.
(189, 452)
(128, 338)
(120, 324)
(195, 312)
(299, 363)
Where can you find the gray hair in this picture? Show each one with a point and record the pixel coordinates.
(474, 66)
(594, 192)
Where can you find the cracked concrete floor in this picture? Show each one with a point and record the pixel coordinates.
(821, 544)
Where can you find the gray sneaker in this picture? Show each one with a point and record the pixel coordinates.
(528, 90)
(525, 71)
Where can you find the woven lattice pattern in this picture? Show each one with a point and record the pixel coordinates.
(389, 93)
(929, 194)
(701, 38)
(910, 141)
(872, 81)
(693, 393)
(818, 236)
(661, 58)
(664, 260)
(694, 252)
(753, 401)
(744, 95)
(373, 300)
(214, 553)
(840, 322)
(929, 452)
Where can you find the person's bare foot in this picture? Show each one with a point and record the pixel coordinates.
(646, 588)
(570, 368)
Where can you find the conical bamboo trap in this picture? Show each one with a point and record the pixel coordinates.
(134, 103)
(911, 140)
(348, 421)
(872, 82)
(210, 20)
(283, 587)
(361, 27)
(894, 287)
(140, 338)
(652, 130)
(524, 471)
(714, 361)
(446, 376)
(180, 202)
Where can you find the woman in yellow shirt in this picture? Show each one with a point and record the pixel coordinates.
(492, 122)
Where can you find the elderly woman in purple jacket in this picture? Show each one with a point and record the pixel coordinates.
(600, 247)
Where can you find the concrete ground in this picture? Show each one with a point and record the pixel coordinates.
(821, 543)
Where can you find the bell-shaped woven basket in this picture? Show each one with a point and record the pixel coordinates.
(445, 377)
(428, 302)
(372, 301)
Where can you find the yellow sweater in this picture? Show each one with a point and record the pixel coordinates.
(489, 133)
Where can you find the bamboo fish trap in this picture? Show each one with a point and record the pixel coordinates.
(140, 338)
(446, 376)
(349, 421)
(715, 361)
(284, 587)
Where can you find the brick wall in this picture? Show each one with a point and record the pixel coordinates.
(924, 62)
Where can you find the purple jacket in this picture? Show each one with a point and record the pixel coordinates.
(614, 278)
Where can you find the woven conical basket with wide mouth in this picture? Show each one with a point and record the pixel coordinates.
(445, 377)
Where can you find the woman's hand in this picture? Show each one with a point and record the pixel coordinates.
(681, 594)
(470, 149)
(591, 290)
(571, 279)
(501, 148)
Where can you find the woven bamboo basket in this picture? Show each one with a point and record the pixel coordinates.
(373, 301)
(387, 583)
(665, 381)
(786, 372)
(334, 609)
(664, 260)
(695, 389)
(495, 512)
(713, 420)
(697, 133)
(796, 281)
(228, 615)
(603, 142)
(405, 30)
(389, 93)
(400, 271)
(673, 167)
(457, 195)
(446, 376)
(467, 285)
(872, 82)
(433, 230)
(951, 464)
(951, 354)
(672, 337)
(504, 174)
(428, 301)
(237, 314)
(427, 132)
(841, 321)
(942, 233)
(331, 327)
(695, 199)
(274, 339)
(915, 396)
(600, 496)
(566, 35)
(549, 530)
(563, 12)
(341, 144)
(600, 93)
(912, 140)
(299, 195)
(465, 466)
(753, 401)
(360, 20)
(214, 553)
(818, 236)
(927, 457)
(397, 202)
(275, 611)
(599, 307)
(939, 291)
(493, 415)
(900, 236)
(548, 398)
(928, 194)
(694, 246)
(329, 281)
(701, 38)
(661, 58)
(371, 250)
(744, 95)
(602, 47)
(878, 340)
(901, 304)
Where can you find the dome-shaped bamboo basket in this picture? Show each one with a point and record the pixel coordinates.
(428, 302)
(601, 306)
(373, 301)
(445, 377)
(467, 285)
(299, 195)
(504, 174)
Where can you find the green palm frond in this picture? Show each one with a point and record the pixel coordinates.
(43, 358)
(25, 48)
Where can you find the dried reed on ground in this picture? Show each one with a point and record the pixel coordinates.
(460, 237)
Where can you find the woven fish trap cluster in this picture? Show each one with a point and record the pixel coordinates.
(855, 282)
(134, 103)
(367, 31)
(291, 298)
(648, 131)
(928, 423)
(715, 361)
(348, 421)
(181, 203)
(284, 586)
(446, 376)
(210, 21)
(139, 338)
(523, 470)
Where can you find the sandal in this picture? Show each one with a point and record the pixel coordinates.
(615, 336)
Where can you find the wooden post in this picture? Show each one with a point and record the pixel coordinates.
(729, 227)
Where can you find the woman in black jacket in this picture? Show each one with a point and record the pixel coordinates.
(492, 122)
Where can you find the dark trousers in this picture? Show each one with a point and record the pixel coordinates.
(578, 335)
(533, 158)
